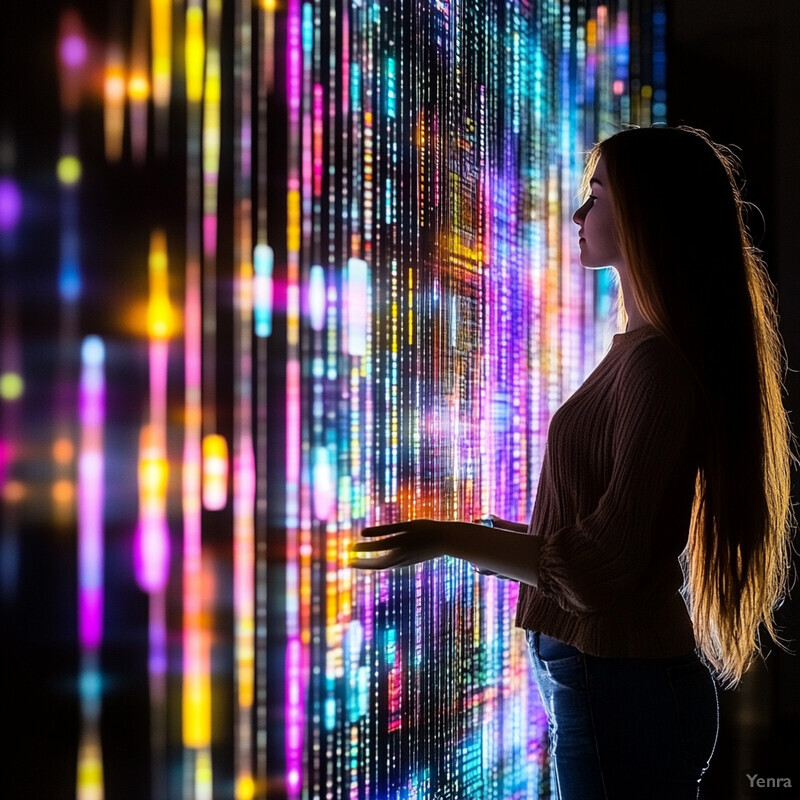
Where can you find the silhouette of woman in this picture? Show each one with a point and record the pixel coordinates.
(660, 532)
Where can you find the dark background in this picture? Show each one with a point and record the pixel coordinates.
(733, 70)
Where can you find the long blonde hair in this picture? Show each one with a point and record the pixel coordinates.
(699, 280)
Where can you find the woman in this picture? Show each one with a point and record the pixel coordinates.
(660, 533)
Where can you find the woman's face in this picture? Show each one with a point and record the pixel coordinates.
(596, 224)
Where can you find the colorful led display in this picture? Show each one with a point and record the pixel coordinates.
(436, 317)
(365, 308)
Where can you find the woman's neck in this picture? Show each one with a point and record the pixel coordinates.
(635, 318)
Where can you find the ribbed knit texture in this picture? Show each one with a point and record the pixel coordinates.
(613, 507)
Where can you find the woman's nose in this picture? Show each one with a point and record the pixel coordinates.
(580, 215)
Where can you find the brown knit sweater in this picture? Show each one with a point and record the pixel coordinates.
(613, 507)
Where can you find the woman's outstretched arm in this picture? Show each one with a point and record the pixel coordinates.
(509, 553)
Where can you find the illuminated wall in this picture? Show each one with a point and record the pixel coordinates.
(436, 317)
(364, 306)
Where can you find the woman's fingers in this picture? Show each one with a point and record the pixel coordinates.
(377, 545)
(397, 547)
(378, 553)
(397, 527)
(384, 530)
(398, 544)
(378, 562)
(392, 558)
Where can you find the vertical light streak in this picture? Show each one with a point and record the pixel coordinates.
(138, 95)
(90, 780)
(194, 51)
(659, 47)
(152, 546)
(138, 88)
(295, 687)
(160, 315)
(196, 657)
(197, 684)
(70, 280)
(357, 308)
(263, 259)
(151, 563)
(317, 298)
(91, 495)
(244, 481)
(114, 91)
(308, 122)
(161, 68)
(196, 688)
(622, 63)
(323, 484)
(72, 58)
(211, 163)
(12, 386)
(215, 472)
(151, 557)
(91, 492)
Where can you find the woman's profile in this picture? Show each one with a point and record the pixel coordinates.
(659, 541)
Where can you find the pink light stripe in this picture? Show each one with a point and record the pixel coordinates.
(91, 493)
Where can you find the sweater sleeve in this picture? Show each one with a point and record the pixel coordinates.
(586, 566)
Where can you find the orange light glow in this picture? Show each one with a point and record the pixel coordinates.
(63, 450)
(63, 492)
(159, 309)
(138, 87)
(215, 472)
(13, 492)
(114, 89)
(153, 476)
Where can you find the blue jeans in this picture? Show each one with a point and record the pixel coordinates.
(625, 728)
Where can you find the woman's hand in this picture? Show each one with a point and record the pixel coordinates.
(400, 544)
(507, 553)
